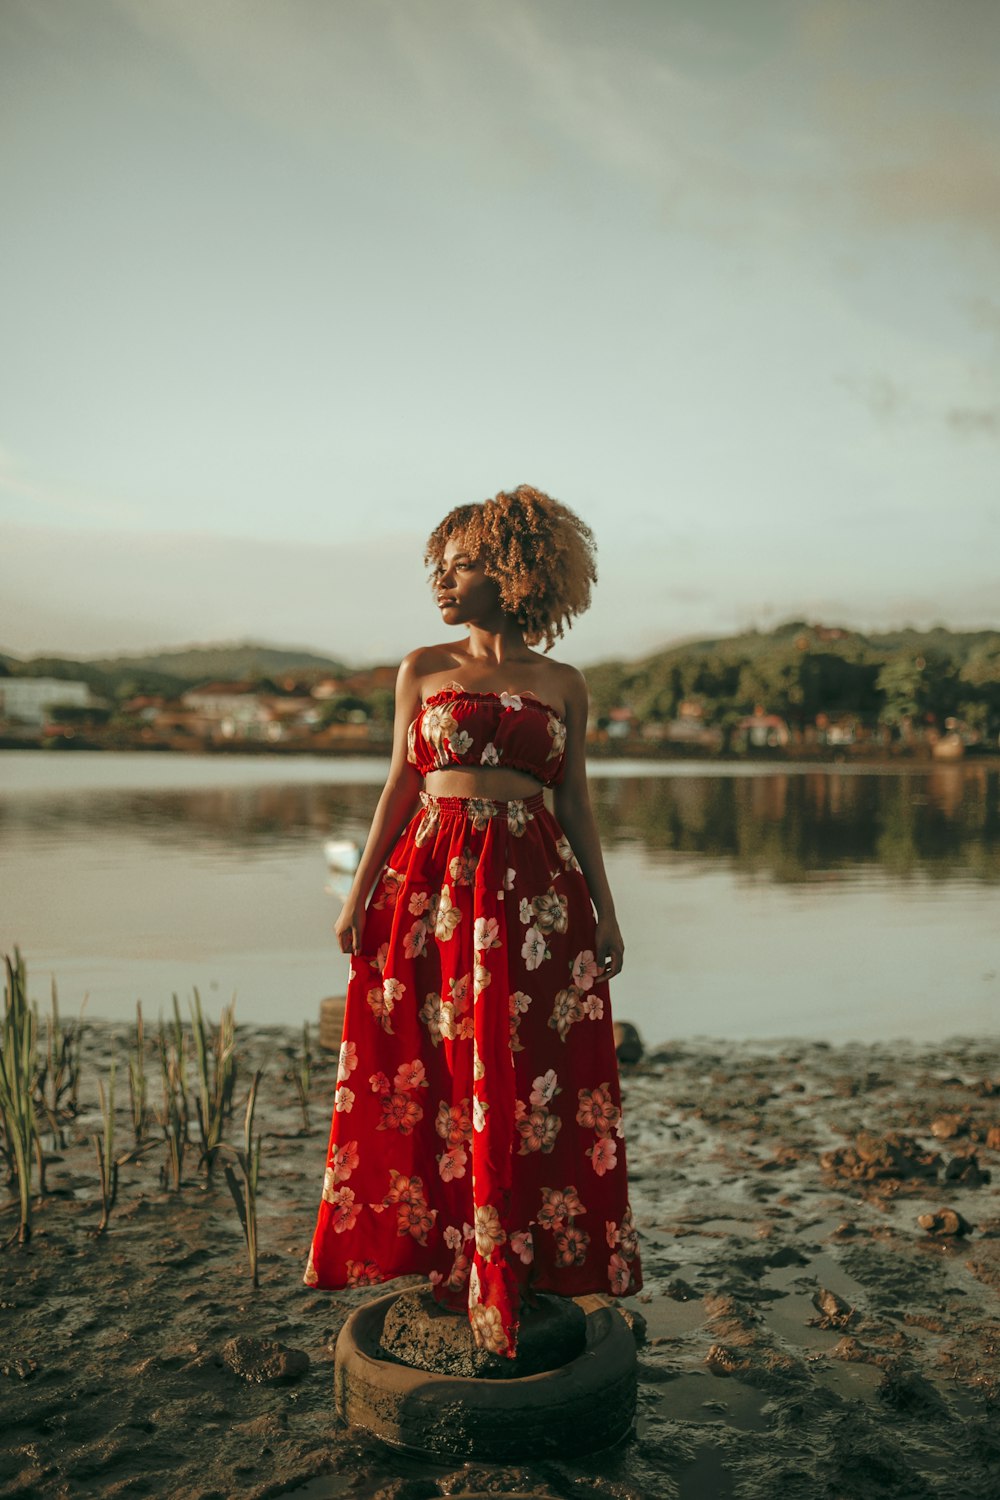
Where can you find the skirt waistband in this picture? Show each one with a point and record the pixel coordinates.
(482, 807)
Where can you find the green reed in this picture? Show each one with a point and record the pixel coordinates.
(245, 1192)
(18, 1074)
(175, 1115)
(108, 1161)
(215, 1057)
(302, 1076)
(59, 1074)
(137, 1079)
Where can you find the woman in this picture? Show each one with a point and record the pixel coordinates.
(476, 1131)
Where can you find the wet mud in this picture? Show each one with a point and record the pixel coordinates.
(820, 1231)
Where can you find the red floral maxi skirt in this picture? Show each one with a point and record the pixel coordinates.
(477, 1133)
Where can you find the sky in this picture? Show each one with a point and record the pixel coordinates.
(280, 284)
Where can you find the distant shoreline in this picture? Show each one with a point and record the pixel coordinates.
(631, 749)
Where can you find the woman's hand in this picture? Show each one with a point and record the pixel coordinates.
(348, 926)
(610, 947)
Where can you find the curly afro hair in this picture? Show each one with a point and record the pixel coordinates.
(538, 551)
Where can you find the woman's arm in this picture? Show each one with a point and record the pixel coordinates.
(397, 804)
(575, 814)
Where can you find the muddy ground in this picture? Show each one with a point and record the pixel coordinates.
(806, 1336)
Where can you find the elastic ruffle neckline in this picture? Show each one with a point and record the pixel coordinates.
(445, 694)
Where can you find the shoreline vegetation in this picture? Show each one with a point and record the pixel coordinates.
(819, 1226)
(804, 692)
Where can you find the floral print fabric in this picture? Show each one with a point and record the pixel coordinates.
(456, 728)
(477, 1128)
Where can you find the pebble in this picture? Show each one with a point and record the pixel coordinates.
(947, 1127)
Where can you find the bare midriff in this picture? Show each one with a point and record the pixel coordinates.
(498, 783)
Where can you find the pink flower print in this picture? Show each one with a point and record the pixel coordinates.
(533, 950)
(345, 1210)
(459, 1271)
(343, 1160)
(545, 1088)
(481, 980)
(462, 868)
(415, 941)
(619, 1276)
(566, 1011)
(518, 817)
(557, 730)
(603, 1155)
(565, 852)
(488, 1230)
(460, 743)
(451, 1163)
(611, 1233)
(523, 1246)
(454, 1122)
(538, 1132)
(430, 1014)
(380, 957)
(347, 1061)
(558, 1206)
(511, 701)
(628, 1236)
(593, 1008)
(571, 1246)
(363, 1273)
(487, 1328)
(486, 933)
(393, 989)
(479, 1111)
(448, 916)
(508, 880)
(453, 1238)
(460, 989)
(310, 1275)
(381, 1008)
(551, 912)
(597, 1110)
(343, 1100)
(415, 1219)
(392, 881)
(585, 969)
(403, 1188)
(490, 755)
(410, 1075)
(418, 903)
(399, 1112)
(479, 811)
(526, 910)
(379, 1083)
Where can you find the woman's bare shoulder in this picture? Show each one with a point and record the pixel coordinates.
(425, 661)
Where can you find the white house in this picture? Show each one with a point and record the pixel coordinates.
(27, 700)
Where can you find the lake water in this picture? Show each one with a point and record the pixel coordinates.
(833, 902)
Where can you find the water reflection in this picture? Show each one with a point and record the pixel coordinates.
(943, 822)
(792, 826)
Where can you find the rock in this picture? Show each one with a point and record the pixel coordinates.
(422, 1334)
(722, 1360)
(993, 1138)
(834, 1311)
(679, 1290)
(628, 1042)
(261, 1361)
(874, 1158)
(966, 1170)
(947, 1127)
(944, 1221)
(21, 1368)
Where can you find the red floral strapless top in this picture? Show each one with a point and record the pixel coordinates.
(458, 728)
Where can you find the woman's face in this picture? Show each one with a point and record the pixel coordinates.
(464, 592)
